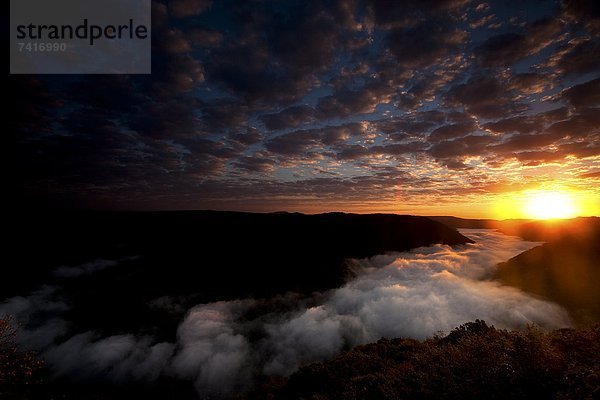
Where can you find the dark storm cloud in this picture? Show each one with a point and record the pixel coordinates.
(282, 49)
(306, 39)
(578, 149)
(578, 125)
(391, 14)
(583, 95)
(288, 118)
(402, 128)
(301, 141)
(255, 163)
(200, 147)
(533, 158)
(353, 152)
(256, 79)
(428, 86)
(337, 134)
(543, 139)
(398, 149)
(348, 102)
(408, 102)
(466, 146)
(508, 48)
(578, 56)
(485, 96)
(425, 44)
(294, 143)
(251, 136)
(582, 149)
(220, 115)
(171, 118)
(515, 124)
(584, 12)
(453, 131)
(556, 114)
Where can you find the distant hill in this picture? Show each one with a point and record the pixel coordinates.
(565, 270)
(549, 230)
(464, 223)
(510, 226)
(207, 255)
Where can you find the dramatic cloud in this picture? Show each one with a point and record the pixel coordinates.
(486, 97)
(451, 132)
(575, 57)
(425, 44)
(300, 142)
(288, 118)
(256, 97)
(585, 95)
(508, 48)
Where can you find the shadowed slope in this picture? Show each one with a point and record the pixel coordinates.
(565, 270)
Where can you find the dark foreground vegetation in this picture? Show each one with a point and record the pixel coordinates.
(474, 361)
(17, 367)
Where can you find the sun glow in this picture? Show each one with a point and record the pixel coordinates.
(549, 205)
(545, 203)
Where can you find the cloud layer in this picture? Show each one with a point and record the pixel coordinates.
(247, 107)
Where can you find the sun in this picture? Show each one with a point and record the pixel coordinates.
(549, 205)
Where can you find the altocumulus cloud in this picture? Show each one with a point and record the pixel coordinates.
(223, 346)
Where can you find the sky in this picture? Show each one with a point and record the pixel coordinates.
(449, 107)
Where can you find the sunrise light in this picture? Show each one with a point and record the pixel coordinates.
(550, 205)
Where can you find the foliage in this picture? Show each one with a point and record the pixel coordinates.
(17, 369)
(474, 361)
